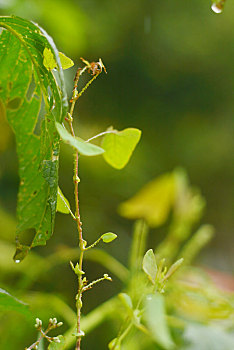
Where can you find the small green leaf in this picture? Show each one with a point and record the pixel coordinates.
(50, 63)
(126, 300)
(8, 302)
(63, 205)
(84, 148)
(48, 59)
(174, 268)
(57, 345)
(66, 62)
(119, 146)
(149, 265)
(156, 321)
(108, 237)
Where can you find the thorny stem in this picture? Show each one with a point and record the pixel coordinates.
(76, 180)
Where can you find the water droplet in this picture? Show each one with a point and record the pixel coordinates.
(217, 7)
(17, 261)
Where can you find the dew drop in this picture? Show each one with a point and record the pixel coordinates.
(17, 261)
(217, 7)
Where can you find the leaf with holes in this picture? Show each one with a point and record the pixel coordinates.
(27, 89)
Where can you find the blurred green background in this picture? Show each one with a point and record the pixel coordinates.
(170, 73)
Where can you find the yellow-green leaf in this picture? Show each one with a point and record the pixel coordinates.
(108, 237)
(50, 62)
(153, 202)
(63, 205)
(119, 146)
(66, 62)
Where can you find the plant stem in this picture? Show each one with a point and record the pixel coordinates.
(77, 212)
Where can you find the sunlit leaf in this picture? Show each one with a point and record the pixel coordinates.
(63, 205)
(66, 62)
(108, 237)
(153, 202)
(50, 63)
(119, 146)
(149, 265)
(156, 321)
(84, 148)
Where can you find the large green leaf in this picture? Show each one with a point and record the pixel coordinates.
(33, 101)
(119, 146)
(8, 302)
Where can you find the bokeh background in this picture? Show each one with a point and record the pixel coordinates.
(170, 73)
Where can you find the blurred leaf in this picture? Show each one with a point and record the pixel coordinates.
(156, 321)
(189, 204)
(84, 148)
(126, 300)
(203, 337)
(108, 237)
(153, 202)
(57, 346)
(174, 267)
(63, 205)
(8, 302)
(149, 265)
(21, 56)
(50, 62)
(140, 233)
(114, 344)
(119, 146)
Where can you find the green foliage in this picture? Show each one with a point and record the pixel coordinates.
(24, 83)
(153, 202)
(63, 205)
(146, 315)
(84, 148)
(8, 302)
(156, 320)
(50, 62)
(119, 146)
(149, 265)
(108, 237)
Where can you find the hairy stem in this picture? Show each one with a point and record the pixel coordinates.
(76, 180)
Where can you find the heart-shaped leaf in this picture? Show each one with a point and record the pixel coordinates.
(119, 146)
